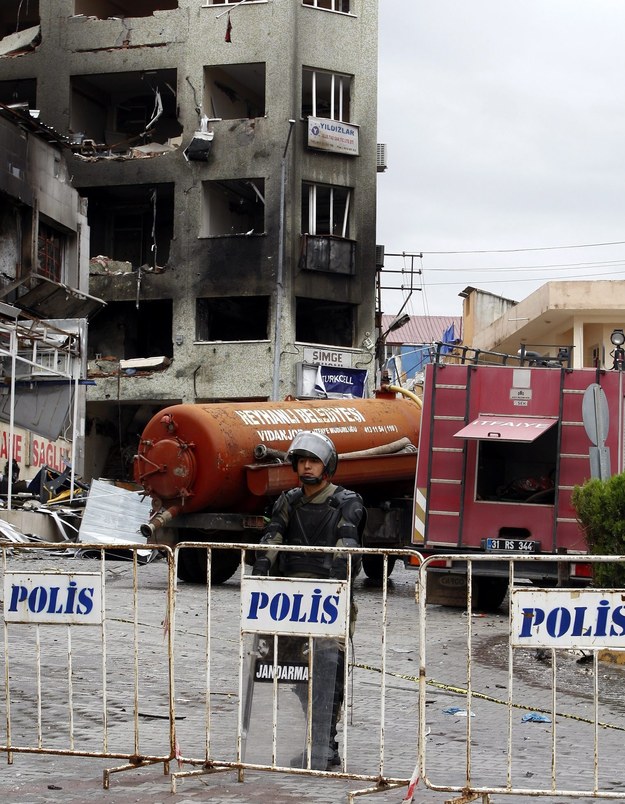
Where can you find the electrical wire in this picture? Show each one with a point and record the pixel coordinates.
(535, 248)
(541, 266)
(525, 279)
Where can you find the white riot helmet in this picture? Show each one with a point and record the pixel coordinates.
(317, 445)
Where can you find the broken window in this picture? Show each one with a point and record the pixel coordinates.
(19, 94)
(15, 239)
(326, 94)
(233, 207)
(133, 223)
(121, 330)
(116, 112)
(17, 15)
(102, 9)
(232, 318)
(329, 5)
(324, 253)
(326, 322)
(234, 90)
(50, 252)
(325, 209)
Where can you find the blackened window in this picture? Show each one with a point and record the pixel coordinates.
(232, 318)
(50, 247)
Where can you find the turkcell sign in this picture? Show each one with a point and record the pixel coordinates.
(73, 598)
(294, 606)
(332, 135)
(568, 618)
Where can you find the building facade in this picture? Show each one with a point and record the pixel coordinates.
(44, 299)
(227, 153)
(579, 317)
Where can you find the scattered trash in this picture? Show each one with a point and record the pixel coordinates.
(457, 711)
(535, 717)
(55, 510)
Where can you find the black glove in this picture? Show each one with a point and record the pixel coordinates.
(262, 565)
(339, 568)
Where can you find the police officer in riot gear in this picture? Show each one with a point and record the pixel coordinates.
(322, 514)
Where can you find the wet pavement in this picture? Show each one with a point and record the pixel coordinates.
(40, 777)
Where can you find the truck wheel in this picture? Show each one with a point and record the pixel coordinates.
(192, 563)
(490, 592)
(374, 566)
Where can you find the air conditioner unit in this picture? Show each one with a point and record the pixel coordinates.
(381, 157)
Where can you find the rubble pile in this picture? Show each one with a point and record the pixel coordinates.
(54, 507)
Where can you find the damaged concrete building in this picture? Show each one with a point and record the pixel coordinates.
(44, 299)
(227, 153)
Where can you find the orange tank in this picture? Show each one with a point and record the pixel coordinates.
(197, 457)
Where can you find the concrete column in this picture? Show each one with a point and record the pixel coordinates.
(578, 342)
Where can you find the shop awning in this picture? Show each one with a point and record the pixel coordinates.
(506, 428)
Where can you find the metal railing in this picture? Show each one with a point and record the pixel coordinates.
(540, 723)
(77, 673)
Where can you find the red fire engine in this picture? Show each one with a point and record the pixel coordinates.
(502, 446)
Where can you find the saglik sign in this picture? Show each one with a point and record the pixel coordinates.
(332, 135)
(568, 618)
(294, 606)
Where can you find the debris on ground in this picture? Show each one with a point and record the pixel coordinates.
(535, 717)
(54, 507)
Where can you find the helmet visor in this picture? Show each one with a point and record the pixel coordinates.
(311, 444)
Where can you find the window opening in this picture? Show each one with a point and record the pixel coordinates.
(233, 91)
(326, 94)
(19, 94)
(518, 472)
(124, 331)
(132, 223)
(16, 238)
(103, 9)
(114, 113)
(329, 5)
(324, 322)
(325, 209)
(17, 15)
(50, 252)
(235, 207)
(232, 318)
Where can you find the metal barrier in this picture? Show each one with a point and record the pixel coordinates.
(112, 664)
(518, 702)
(530, 711)
(212, 671)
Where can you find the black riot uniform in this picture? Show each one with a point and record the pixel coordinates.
(330, 517)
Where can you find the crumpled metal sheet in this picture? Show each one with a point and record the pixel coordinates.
(113, 515)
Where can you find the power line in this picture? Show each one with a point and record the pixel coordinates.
(560, 266)
(515, 250)
(517, 280)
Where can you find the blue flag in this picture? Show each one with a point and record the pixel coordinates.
(448, 337)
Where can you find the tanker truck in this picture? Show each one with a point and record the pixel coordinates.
(214, 470)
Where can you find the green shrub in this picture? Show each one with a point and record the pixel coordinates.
(600, 507)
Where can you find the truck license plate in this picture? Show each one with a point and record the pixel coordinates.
(512, 545)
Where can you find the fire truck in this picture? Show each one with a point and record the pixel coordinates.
(214, 470)
(504, 440)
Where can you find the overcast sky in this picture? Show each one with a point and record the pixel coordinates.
(505, 128)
